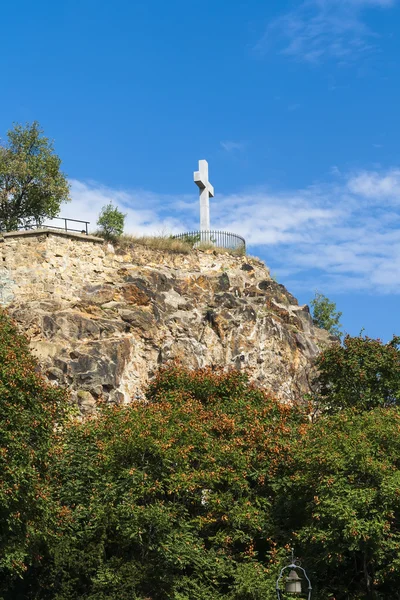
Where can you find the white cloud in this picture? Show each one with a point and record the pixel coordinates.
(373, 185)
(318, 30)
(335, 236)
(230, 146)
(143, 209)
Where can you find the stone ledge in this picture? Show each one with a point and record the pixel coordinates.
(47, 231)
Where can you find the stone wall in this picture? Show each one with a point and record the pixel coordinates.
(102, 320)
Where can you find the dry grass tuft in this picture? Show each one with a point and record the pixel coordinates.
(159, 242)
(209, 246)
(169, 244)
(234, 252)
(204, 246)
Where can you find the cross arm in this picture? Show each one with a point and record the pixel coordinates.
(198, 179)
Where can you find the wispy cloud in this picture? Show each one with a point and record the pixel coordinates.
(146, 213)
(231, 146)
(320, 30)
(375, 185)
(342, 235)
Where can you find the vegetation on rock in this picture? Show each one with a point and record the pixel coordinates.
(32, 187)
(363, 373)
(30, 409)
(111, 222)
(172, 499)
(325, 314)
(157, 242)
(341, 500)
(198, 492)
(169, 243)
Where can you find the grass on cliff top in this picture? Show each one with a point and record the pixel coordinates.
(159, 242)
(208, 246)
(169, 244)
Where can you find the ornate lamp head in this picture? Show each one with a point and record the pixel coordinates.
(293, 583)
(294, 586)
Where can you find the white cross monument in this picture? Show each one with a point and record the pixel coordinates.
(206, 192)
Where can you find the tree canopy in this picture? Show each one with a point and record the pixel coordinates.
(363, 373)
(341, 500)
(325, 314)
(30, 408)
(32, 187)
(199, 492)
(172, 499)
(111, 222)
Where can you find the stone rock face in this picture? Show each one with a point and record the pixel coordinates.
(102, 321)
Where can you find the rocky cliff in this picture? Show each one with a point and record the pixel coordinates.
(102, 320)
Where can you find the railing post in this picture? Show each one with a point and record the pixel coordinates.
(66, 226)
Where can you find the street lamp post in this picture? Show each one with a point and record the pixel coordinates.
(294, 585)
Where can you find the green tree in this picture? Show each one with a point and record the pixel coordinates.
(32, 187)
(171, 499)
(29, 411)
(111, 222)
(325, 314)
(199, 491)
(363, 373)
(340, 504)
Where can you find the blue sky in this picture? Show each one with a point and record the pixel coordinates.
(294, 104)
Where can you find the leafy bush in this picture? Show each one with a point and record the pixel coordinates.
(198, 492)
(29, 411)
(172, 499)
(363, 373)
(325, 314)
(341, 499)
(191, 238)
(111, 222)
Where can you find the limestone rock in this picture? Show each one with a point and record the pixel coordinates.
(102, 321)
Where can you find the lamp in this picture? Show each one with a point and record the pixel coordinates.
(293, 583)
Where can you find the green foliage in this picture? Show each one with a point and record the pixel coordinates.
(111, 222)
(32, 187)
(198, 492)
(29, 410)
(325, 314)
(190, 238)
(172, 499)
(362, 373)
(341, 499)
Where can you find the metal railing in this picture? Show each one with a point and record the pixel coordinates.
(219, 239)
(84, 229)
